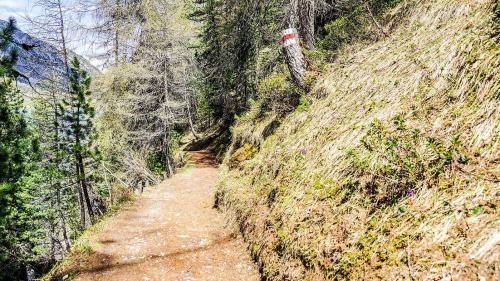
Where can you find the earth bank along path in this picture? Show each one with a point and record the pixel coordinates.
(171, 233)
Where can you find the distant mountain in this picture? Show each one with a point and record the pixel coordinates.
(39, 60)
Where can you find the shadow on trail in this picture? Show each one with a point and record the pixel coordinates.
(95, 262)
(202, 159)
(170, 229)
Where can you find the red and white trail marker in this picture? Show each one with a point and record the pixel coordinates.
(289, 37)
(294, 57)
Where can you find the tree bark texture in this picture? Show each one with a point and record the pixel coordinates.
(306, 14)
(294, 57)
(85, 188)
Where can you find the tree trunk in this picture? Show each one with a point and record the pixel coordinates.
(167, 114)
(63, 38)
(191, 125)
(116, 32)
(190, 117)
(66, 239)
(306, 13)
(52, 241)
(58, 148)
(294, 57)
(81, 201)
(110, 187)
(116, 47)
(292, 18)
(84, 185)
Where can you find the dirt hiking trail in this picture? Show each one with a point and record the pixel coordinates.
(171, 233)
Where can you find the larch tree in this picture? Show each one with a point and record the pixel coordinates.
(149, 95)
(115, 28)
(51, 25)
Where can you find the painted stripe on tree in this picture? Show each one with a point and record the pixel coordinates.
(289, 37)
(293, 56)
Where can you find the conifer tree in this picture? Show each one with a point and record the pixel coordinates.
(78, 116)
(16, 150)
(53, 177)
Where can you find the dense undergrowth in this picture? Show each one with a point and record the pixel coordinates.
(388, 169)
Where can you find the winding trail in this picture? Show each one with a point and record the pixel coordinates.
(171, 233)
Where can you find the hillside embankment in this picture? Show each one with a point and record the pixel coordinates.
(393, 171)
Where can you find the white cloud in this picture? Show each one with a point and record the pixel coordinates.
(13, 5)
(5, 15)
(13, 8)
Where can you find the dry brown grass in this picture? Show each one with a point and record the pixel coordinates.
(324, 199)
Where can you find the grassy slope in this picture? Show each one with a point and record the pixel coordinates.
(394, 174)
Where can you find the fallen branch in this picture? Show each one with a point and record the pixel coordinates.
(372, 17)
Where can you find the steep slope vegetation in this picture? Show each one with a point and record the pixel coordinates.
(393, 171)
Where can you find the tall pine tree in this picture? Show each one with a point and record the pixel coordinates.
(17, 146)
(78, 116)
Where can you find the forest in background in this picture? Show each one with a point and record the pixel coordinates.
(72, 146)
(76, 145)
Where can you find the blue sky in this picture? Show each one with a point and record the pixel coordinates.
(20, 8)
(13, 8)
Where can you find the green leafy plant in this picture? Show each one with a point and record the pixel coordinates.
(246, 152)
(277, 93)
(304, 104)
